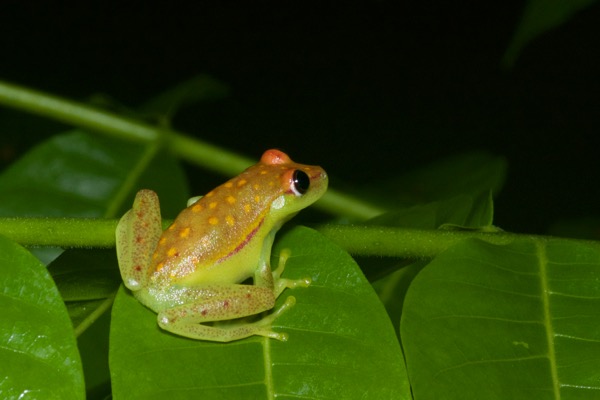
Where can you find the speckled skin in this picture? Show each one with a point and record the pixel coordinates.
(190, 273)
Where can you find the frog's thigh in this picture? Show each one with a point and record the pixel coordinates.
(137, 235)
(219, 303)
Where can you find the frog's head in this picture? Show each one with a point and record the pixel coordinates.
(299, 185)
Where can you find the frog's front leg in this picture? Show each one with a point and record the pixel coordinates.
(279, 283)
(223, 303)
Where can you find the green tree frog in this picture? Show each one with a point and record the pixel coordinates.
(191, 274)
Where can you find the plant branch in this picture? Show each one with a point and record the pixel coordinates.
(357, 240)
(191, 149)
(60, 232)
(416, 243)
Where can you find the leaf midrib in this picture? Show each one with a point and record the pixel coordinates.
(545, 295)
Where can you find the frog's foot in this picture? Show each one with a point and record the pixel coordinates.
(282, 283)
(264, 325)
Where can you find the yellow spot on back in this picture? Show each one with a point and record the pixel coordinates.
(242, 182)
(162, 240)
(212, 204)
(230, 220)
(197, 207)
(256, 186)
(172, 251)
(185, 232)
(257, 198)
(230, 199)
(159, 266)
(264, 172)
(228, 184)
(172, 226)
(213, 220)
(247, 207)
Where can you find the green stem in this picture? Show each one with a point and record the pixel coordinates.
(74, 113)
(94, 315)
(415, 243)
(61, 232)
(131, 179)
(196, 151)
(357, 240)
(402, 242)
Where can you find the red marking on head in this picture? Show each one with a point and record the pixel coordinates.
(274, 156)
(204, 312)
(226, 303)
(137, 268)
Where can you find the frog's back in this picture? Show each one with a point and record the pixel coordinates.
(235, 217)
(213, 228)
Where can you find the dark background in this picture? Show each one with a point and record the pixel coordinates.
(366, 89)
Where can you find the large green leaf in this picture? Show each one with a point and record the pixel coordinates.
(80, 175)
(38, 351)
(341, 343)
(77, 174)
(469, 174)
(519, 321)
(85, 279)
(464, 211)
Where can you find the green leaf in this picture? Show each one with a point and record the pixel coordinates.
(86, 274)
(79, 175)
(539, 17)
(463, 210)
(341, 343)
(38, 349)
(76, 174)
(88, 280)
(85, 279)
(464, 174)
(518, 321)
(93, 347)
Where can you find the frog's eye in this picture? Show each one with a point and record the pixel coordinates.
(300, 182)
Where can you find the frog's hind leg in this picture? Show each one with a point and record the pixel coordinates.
(137, 236)
(219, 305)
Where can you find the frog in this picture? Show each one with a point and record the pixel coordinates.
(208, 275)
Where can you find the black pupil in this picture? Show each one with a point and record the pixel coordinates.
(301, 181)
